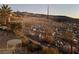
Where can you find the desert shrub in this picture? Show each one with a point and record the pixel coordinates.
(34, 47)
(16, 26)
(50, 50)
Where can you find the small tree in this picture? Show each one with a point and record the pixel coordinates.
(5, 13)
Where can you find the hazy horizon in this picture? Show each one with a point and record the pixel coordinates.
(71, 10)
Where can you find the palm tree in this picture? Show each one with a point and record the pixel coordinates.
(5, 11)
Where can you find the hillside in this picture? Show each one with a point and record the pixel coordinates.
(56, 32)
(59, 18)
(55, 25)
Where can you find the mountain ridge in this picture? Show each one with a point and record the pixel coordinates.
(58, 18)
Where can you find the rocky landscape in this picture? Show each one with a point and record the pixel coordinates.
(55, 34)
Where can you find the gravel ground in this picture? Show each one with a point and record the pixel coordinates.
(4, 37)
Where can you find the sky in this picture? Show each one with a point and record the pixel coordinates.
(71, 10)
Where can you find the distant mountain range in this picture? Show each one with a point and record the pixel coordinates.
(64, 19)
(57, 18)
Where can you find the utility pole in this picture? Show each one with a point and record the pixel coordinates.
(48, 12)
